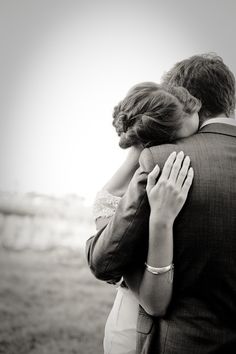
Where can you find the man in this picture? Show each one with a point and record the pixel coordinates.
(201, 316)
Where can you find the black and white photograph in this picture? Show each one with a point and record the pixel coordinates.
(117, 177)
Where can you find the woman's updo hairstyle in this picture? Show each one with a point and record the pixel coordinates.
(151, 114)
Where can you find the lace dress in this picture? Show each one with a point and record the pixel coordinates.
(120, 328)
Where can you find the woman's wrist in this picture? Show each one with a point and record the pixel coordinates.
(160, 232)
(161, 222)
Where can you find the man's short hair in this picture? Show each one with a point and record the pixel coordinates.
(207, 78)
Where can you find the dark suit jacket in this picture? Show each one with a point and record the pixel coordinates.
(202, 315)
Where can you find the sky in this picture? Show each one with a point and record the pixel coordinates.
(66, 64)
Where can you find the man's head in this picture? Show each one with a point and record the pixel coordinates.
(207, 78)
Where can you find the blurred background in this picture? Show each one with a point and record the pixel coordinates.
(64, 65)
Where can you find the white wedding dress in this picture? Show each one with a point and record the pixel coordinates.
(120, 328)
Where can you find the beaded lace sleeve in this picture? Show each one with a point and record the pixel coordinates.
(105, 204)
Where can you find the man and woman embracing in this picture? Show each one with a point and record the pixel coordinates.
(167, 218)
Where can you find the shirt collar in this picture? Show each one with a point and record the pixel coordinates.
(224, 120)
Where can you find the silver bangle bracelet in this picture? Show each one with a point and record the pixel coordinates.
(161, 270)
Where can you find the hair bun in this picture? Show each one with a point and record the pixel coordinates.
(123, 119)
(120, 121)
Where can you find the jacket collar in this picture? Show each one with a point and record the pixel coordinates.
(219, 128)
(225, 120)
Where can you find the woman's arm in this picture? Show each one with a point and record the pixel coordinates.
(166, 198)
(116, 186)
(119, 182)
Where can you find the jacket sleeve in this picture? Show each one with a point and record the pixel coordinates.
(123, 242)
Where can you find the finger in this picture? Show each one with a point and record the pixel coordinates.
(187, 183)
(183, 172)
(152, 177)
(167, 167)
(176, 167)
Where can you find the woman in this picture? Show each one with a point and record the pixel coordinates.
(150, 114)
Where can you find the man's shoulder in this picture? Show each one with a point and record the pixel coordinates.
(158, 154)
(155, 154)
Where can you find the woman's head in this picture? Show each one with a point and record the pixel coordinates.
(152, 114)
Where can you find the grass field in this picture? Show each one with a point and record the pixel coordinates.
(50, 303)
